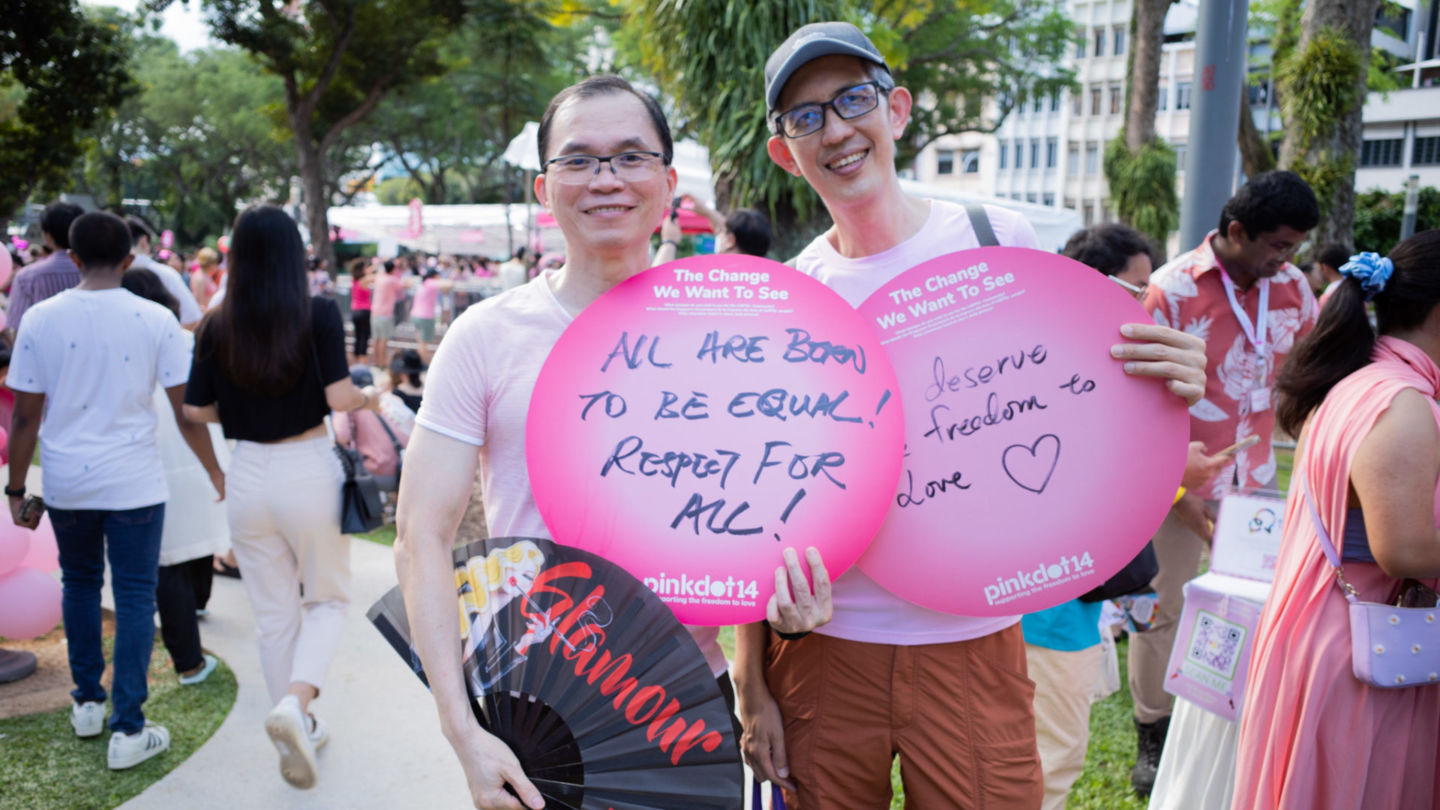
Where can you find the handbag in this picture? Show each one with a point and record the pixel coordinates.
(1133, 578)
(391, 483)
(360, 507)
(1391, 647)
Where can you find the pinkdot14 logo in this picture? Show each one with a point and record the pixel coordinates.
(1044, 575)
(705, 588)
(1263, 520)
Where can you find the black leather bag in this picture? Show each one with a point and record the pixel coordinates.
(360, 508)
(1133, 578)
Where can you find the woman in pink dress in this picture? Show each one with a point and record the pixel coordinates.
(1312, 735)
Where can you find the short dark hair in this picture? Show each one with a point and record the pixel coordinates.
(1269, 202)
(599, 86)
(56, 219)
(100, 239)
(751, 230)
(146, 284)
(138, 229)
(1107, 247)
(1334, 255)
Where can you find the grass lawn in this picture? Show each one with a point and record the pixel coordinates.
(44, 765)
(385, 535)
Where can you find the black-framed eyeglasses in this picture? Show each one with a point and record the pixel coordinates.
(575, 170)
(852, 102)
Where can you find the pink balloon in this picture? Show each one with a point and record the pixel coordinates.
(29, 604)
(223, 244)
(14, 546)
(167, 238)
(1035, 466)
(44, 555)
(7, 265)
(706, 414)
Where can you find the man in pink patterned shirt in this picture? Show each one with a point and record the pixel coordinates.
(1239, 293)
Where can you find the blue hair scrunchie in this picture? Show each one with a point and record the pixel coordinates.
(1372, 270)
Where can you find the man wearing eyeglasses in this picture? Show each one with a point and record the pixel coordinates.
(607, 180)
(826, 714)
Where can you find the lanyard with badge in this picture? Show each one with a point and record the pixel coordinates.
(1256, 334)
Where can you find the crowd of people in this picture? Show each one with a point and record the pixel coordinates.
(843, 677)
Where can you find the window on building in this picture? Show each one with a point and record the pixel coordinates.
(1052, 152)
(970, 161)
(1055, 101)
(1099, 42)
(945, 161)
(1072, 165)
(1031, 197)
(1035, 154)
(1004, 153)
(1386, 152)
(1019, 154)
(1427, 152)
(1104, 212)
(1092, 159)
(1077, 103)
(1095, 100)
(1038, 103)
(1164, 103)
(1080, 45)
(1259, 93)
(1070, 203)
(1115, 99)
(1117, 40)
(1182, 95)
(1180, 150)
(1089, 214)
(1048, 200)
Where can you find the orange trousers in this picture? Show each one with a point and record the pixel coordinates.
(960, 716)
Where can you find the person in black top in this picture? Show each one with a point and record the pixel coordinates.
(269, 366)
(405, 381)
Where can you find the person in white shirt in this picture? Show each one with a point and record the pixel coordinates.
(190, 312)
(84, 368)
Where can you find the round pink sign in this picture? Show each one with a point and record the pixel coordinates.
(1035, 468)
(706, 414)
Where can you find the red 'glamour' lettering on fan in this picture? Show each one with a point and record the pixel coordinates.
(583, 643)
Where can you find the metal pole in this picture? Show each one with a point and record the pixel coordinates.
(1212, 155)
(1412, 207)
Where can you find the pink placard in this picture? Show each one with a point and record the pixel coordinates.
(706, 414)
(1035, 467)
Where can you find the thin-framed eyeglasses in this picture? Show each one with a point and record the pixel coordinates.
(578, 170)
(852, 102)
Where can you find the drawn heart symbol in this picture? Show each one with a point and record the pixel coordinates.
(1034, 462)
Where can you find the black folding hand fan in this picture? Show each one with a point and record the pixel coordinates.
(603, 696)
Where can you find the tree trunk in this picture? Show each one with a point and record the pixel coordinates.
(1341, 140)
(1255, 154)
(312, 184)
(1147, 40)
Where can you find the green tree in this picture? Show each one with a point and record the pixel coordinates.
(708, 56)
(60, 72)
(336, 60)
(1378, 214)
(1140, 167)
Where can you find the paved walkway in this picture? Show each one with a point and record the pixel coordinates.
(385, 746)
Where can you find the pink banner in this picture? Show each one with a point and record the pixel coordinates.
(703, 416)
(1035, 467)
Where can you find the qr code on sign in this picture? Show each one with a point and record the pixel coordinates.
(1215, 644)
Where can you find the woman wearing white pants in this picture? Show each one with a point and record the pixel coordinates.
(269, 365)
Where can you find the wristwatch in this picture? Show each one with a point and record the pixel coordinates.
(15, 493)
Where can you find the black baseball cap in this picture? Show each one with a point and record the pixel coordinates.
(810, 42)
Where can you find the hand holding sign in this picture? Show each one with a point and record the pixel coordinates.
(1035, 466)
(705, 415)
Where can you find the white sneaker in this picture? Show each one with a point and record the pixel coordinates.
(206, 668)
(288, 729)
(88, 718)
(319, 734)
(129, 750)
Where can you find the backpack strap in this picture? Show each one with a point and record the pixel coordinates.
(980, 221)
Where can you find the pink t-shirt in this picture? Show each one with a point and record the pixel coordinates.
(387, 288)
(864, 611)
(359, 297)
(425, 298)
(478, 392)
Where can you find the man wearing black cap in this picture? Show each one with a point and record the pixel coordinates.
(826, 714)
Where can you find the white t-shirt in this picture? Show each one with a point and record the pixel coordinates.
(478, 392)
(174, 284)
(865, 611)
(97, 356)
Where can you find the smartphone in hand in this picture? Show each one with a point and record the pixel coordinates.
(30, 511)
